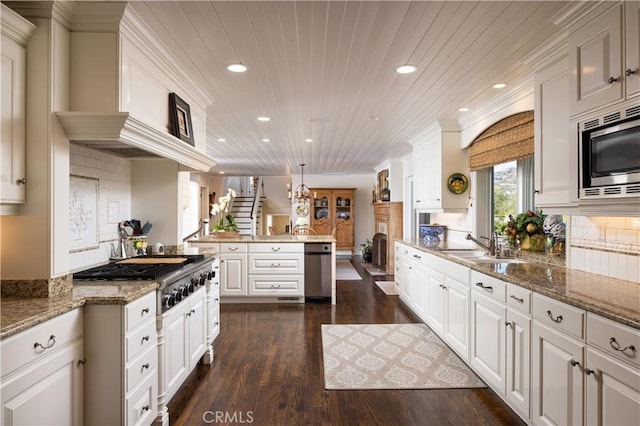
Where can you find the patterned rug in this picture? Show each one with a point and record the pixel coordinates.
(390, 356)
(346, 271)
(388, 287)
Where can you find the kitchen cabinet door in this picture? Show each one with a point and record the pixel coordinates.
(596, 57)
(48, 392)
(488, 340)
(333, 209)
(177, 356)
(197, 328)
(557, 377)
(406, 281)
(632, 33)
(613, 391)
(233, 274)
(554, 141)
(435, 293)
(419, 276)
(456, 316)
(518, 359)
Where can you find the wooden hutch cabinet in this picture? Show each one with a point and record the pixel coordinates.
(334, 208)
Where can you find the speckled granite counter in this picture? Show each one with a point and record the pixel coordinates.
(612, 298)
(267, 239)
(20, 314)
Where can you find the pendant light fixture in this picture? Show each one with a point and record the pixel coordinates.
(302, 193)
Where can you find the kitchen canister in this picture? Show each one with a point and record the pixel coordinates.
(158, 249)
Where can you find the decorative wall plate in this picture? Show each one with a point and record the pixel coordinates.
(302, 210)
(457, 183)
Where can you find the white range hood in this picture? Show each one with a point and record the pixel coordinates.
(121, 134)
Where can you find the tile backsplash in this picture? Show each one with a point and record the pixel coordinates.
(607, 246)
(114, 204)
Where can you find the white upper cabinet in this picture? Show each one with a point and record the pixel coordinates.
(16, 32)
(434, 160)
(604, 53)
(553, 137)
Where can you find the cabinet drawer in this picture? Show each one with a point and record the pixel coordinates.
(279, 285)
(276, 263)
(601, 331)
(140, 310)
(450, 269)
(140, 339)
(276, 248)
(489, 286)
(552, 312)
(519, 298)
(141, 406)
(19, 349)
(142, 368)
(233, 247)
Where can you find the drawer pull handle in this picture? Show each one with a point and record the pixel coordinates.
(145, 311)
(216, 300)
(557, 319)
(417, 257)
(191, 312)
(50, 343)
(616, 346)
(574, 362)
(509, 324)
(145, 366)
(145, 408)
(275, 265)
(216, 323)
(485, 287)
(82, 361)
(275, 248)
(233, 248)
(589, 371)
(275, 286)
(514, 297)
(145, 338)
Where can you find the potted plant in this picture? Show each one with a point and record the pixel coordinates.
(367, 250)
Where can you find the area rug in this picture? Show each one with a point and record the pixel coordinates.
(373, 271)
(346, 271)
(388, 287)
(390, 356)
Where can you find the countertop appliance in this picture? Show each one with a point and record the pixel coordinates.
(609, 157)
(317, 271)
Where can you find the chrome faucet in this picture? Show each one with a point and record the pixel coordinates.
(491, 248)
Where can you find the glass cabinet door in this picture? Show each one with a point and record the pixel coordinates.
(343, 208)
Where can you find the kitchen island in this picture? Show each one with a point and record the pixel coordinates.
(264, 269)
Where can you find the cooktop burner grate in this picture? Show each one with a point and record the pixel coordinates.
(128, 271)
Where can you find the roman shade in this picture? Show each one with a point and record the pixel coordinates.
(508, 139)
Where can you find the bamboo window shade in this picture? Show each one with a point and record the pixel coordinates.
(508, 139)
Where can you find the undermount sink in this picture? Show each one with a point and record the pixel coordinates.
(477, 256)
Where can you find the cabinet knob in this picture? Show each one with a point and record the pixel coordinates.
(508, 324)
(629, 72)
(145, 366)
(536, 191)
(82, 361)
(612, 80)
(589, 371)
(574, 362)
(22, 181)
(145, 338)
(146, 408)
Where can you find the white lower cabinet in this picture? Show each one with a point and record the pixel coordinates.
(488, 336)
(233, 269)
(276, 269)
(184, 340)
(518, 358)
(121, 378)
(44, 384)
(456, 317)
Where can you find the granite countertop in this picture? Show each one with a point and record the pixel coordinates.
(609, 297)
(20, 314)
(286, 238)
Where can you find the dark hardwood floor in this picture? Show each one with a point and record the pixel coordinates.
(268, 371)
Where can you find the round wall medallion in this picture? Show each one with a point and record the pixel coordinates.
(457, 183)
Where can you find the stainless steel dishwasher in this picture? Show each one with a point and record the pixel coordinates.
(317, 271)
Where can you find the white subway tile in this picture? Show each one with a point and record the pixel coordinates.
(627, 235)
(611, 234)
(633, 223)
(616, 222)
(633, 268)
(588, 260)
(623, 271)
(579, 259)
(613, 264)
(596, 261)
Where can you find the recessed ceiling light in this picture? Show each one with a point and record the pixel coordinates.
(264, 118)
(406, 69)
(266, 140)
(308, 140)
(221, 173)
(463, 109)
(499, 85)
(221, 139)
(236, 68)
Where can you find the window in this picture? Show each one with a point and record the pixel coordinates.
(511, 190)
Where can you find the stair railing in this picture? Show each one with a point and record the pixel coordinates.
(254, 206)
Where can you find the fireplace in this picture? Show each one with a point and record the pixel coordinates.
(379, 258)
(388, 222)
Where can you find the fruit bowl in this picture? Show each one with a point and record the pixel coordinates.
(432, 233)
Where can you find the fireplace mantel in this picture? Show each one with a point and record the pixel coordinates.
(388, 220)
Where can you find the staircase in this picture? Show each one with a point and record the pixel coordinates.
(241, 210)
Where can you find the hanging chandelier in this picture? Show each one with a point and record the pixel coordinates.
(302, 193)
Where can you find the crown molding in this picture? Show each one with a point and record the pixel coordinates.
(121, 134)
(60, 11)
(575, 12)
(15, 26)
(549, 52)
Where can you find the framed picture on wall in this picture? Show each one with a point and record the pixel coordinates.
(180, 114)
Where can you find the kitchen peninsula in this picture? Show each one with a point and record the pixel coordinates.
(264, 269)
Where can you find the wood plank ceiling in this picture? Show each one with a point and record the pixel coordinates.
(324, 69)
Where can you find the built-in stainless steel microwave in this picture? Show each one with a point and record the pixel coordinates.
(609, 155)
